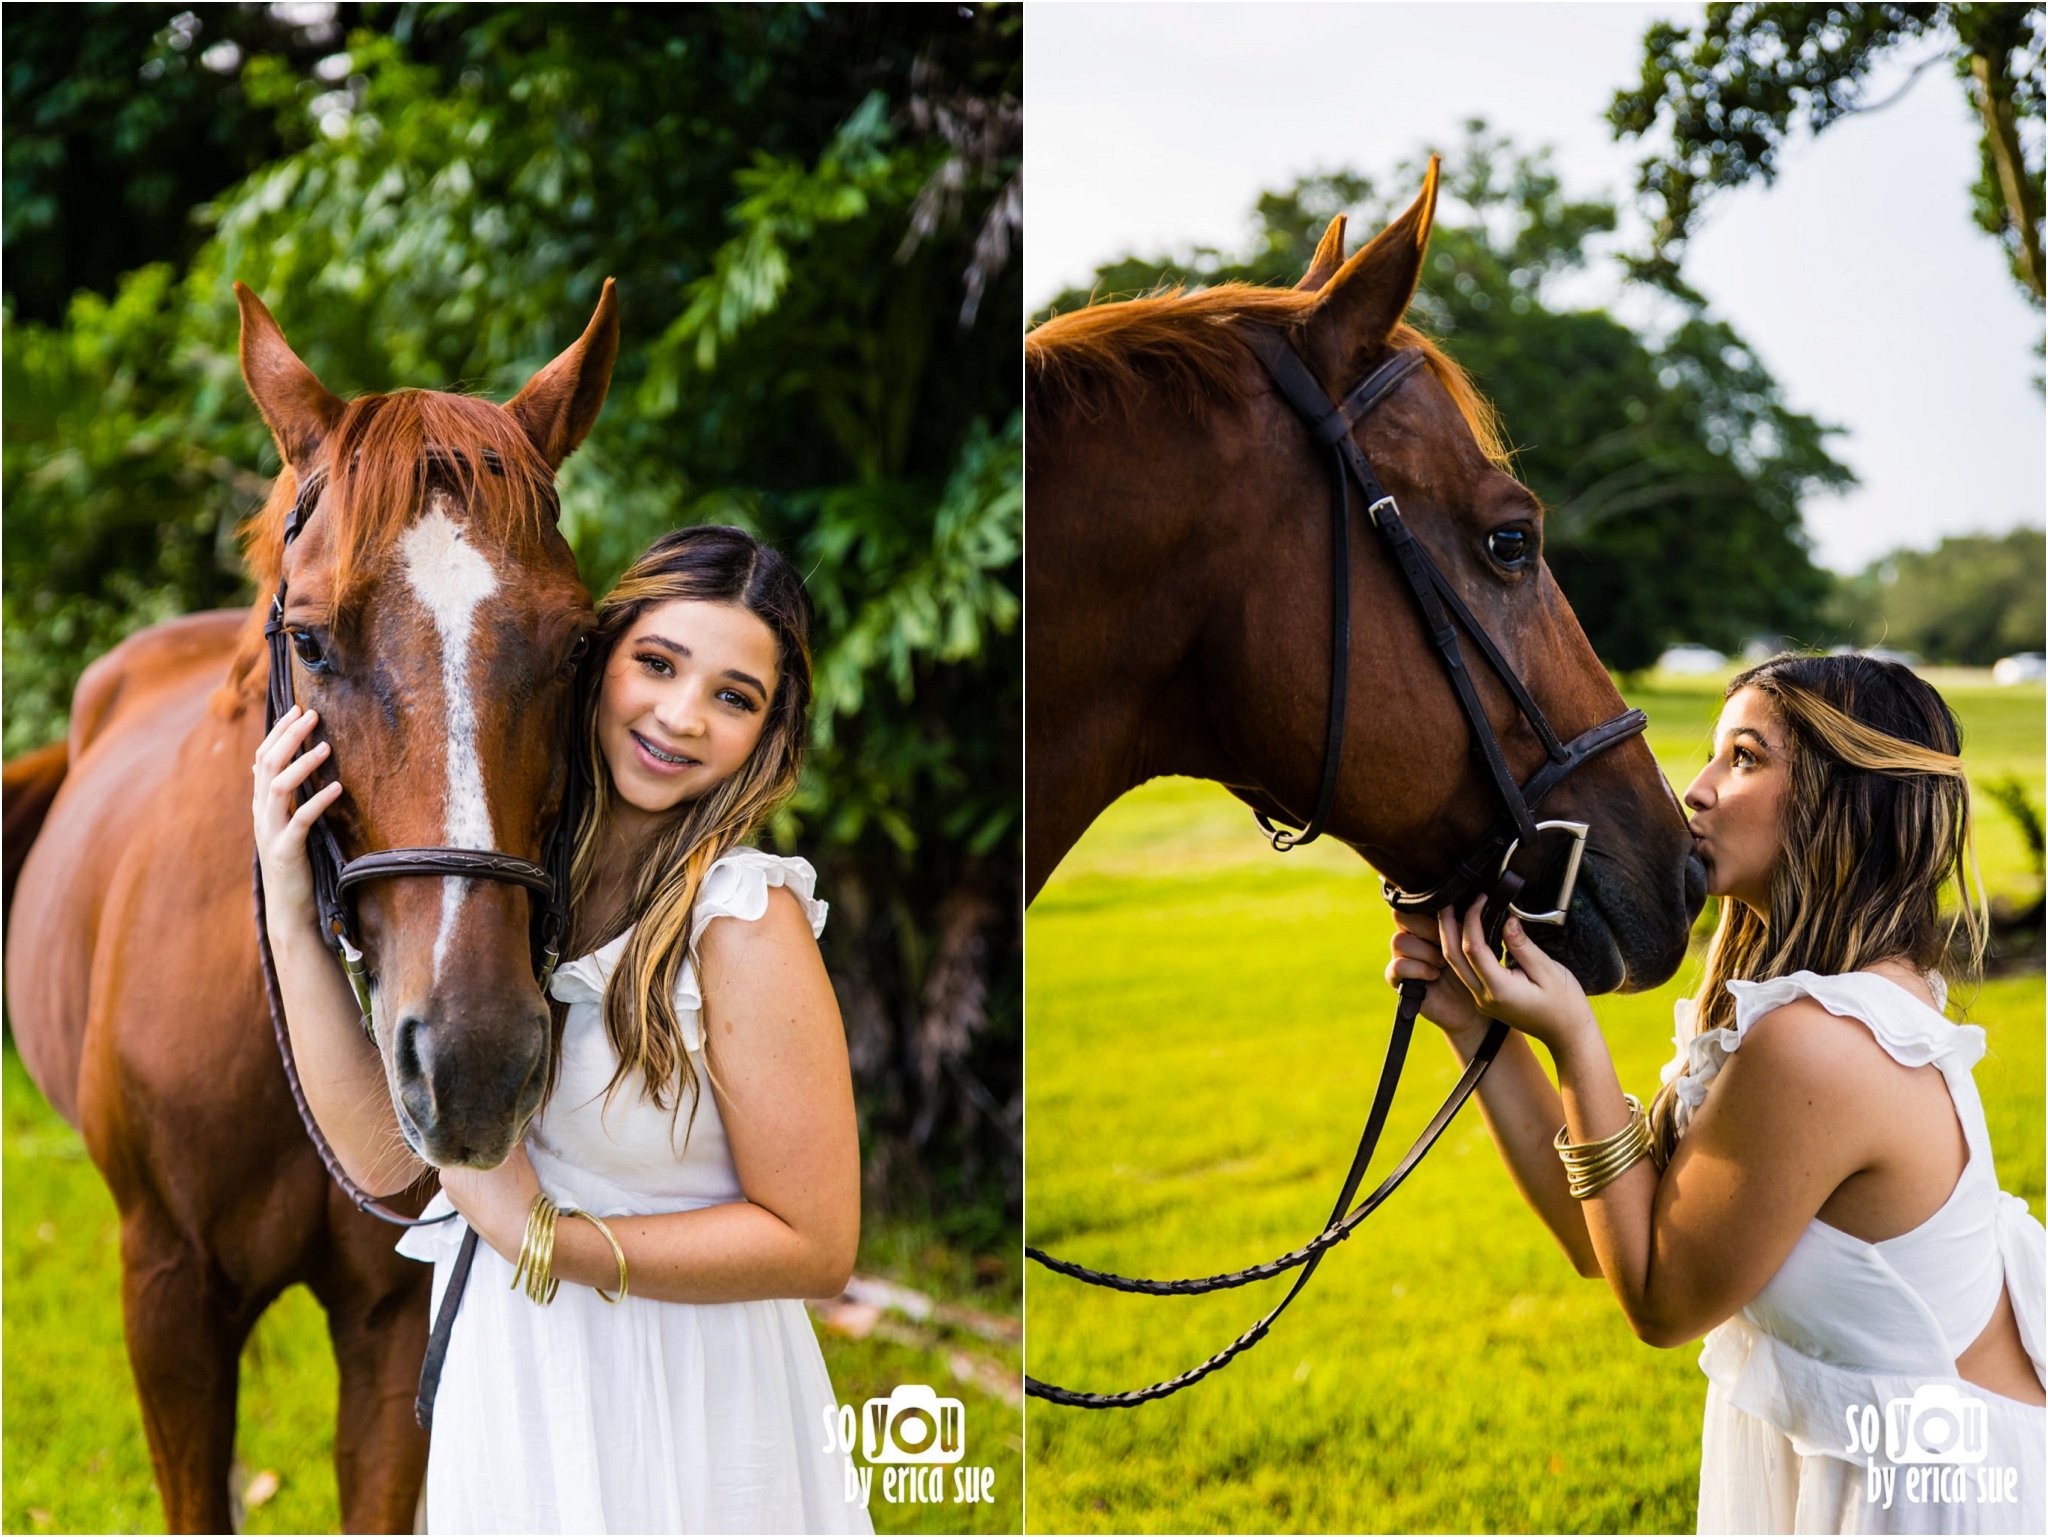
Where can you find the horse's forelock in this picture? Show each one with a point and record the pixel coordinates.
(1186, 346)
(375, 460)
(375, 457)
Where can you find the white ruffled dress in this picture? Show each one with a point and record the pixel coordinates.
(647, 1416)
(1840, 1374)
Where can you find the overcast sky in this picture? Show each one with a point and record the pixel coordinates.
(1858, 277)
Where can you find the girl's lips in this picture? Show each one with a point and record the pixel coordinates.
(656, 764)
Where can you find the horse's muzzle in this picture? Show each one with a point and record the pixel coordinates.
(465, 1087)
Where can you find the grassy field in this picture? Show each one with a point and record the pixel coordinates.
(1206, 1023)
(74, 1452)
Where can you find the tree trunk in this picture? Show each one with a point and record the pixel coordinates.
(1994, 102)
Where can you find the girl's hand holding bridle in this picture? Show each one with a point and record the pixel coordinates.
(1532, 993)
(1419, 957)
(281, 829)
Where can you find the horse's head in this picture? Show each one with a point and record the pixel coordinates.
(434, 613)
(1181, 549)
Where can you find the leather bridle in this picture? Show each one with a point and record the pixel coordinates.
(335, 875)
(1557, 846)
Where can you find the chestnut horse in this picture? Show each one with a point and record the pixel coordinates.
(1178, 581)
(433, 607)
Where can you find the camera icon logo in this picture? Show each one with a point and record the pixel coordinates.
(913, 1425)
(1937, 1424)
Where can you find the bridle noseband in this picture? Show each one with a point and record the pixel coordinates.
(1486, 868)
(335, 875)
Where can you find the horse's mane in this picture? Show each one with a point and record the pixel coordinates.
(377, 455)
(1187, 347)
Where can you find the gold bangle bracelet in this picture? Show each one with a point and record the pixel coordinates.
(1620, 1152)
(1591, 1166)
(1581, 1152)
(1583, 1184)
(1610, 1158)
(1591, 1185)
(617, 1253)
(541, 1284)
(526, 1242)
(537, 1252)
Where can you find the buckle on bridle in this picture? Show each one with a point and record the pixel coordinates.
(1576, 833)
(358, 978)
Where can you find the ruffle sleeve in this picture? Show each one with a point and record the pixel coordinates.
(737, 886)
(1914, 1034)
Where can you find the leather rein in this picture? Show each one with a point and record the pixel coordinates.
(1485, 868)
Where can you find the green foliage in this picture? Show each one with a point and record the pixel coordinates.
(801, 206)
(1971, 599)
(1673, 471)
(117, 125)
(2010, 796)
(1727, 95)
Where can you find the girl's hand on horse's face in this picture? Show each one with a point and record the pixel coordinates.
(495, 1201)
(281, 829)
(1419, 957)
(1532, 992)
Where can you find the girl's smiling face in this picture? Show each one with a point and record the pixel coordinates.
(684, 700)
(1737, 801)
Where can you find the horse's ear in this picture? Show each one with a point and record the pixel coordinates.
(299, 409)
(1328, 258)
(559, 405)
(1366, 298)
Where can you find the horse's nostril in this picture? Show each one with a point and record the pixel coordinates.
(405, 1051)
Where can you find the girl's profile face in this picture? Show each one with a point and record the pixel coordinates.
(1738, 799)
(684, 700)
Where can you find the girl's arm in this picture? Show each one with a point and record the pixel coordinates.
(777, 1053)
(1516, 1098)
(339, 1068)
(1790, 1116)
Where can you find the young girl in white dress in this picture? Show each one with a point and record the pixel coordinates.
(1812, 1190)
(701, 1105)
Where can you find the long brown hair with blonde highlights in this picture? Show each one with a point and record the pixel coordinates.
(708, 564)
(1876, 825)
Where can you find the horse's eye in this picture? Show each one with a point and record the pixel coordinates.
(575, 654)
(308, 649)
(1510, 547)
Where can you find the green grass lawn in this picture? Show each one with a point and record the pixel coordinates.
(1206, 1024)
(74, 1452)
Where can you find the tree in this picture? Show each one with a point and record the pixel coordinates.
(1671, 467)
(118, 128)
(1731, 92)
(811, 213)
(1971, 599)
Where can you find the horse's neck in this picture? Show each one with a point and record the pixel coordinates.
(1117, 612)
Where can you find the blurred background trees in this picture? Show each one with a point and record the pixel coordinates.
(1972, 599)
(813, 214)
(1720, 100)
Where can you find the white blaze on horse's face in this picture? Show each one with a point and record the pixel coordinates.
(451, 579)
